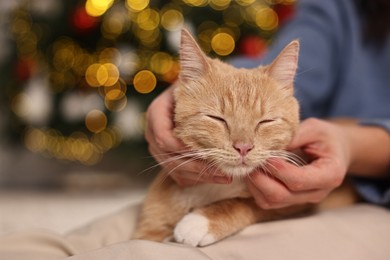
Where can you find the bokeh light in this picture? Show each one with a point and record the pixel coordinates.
(97, 7)
(196, 2)
(220, 4)
(96, 121)
(172, 19)
(144, 81)
(245, 2)
(148, 19)
(137, 5)
(161, 63)
(223, 44)
(267, 19)
(106, 74)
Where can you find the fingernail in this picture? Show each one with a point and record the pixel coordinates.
(221, 179)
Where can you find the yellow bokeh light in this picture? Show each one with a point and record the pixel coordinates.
(144, 81)
(148, 38)
(171, 75)
(137, 5)
(97, 7)
(172, 20)
(106, 74)
(95, 121)
(91, 75)
(116, 91)
(161, 62)
(148, 19)
(245, 2)
(35, 140)
(112, 74)
(108, 55)
(113, 26)
(267, 19)
(103, 140)
(196, 2)
(63, 59)
(220, 4)
(115, 105)
(223, 44)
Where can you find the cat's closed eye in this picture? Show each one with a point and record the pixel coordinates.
(265, 122)
(218, 118)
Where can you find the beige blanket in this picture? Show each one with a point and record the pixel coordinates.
(357, 232)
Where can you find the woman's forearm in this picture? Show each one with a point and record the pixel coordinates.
(370, 150)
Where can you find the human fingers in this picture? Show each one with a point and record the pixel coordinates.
(322, 173)
(164, 141)
(271, 194)
(159, 128)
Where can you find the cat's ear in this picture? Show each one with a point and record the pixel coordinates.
(193, 62)
(284, 67)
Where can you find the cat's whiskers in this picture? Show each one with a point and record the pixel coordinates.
(190, 156)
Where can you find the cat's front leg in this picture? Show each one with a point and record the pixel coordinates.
(161, 210)
(209, 224)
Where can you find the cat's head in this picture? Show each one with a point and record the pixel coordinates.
(236, 119)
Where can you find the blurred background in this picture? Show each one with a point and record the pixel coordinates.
(76, 77)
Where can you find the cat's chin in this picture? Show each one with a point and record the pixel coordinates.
(237, 171)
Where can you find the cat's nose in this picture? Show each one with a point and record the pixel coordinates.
(243, 148)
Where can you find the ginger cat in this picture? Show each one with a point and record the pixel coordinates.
(235, 119)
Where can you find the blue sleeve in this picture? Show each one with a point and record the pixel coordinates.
(372, 190)
(320, 27)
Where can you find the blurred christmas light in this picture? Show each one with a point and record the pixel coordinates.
(115, 105)
(253, 46)
(148, 19)
(82, 20)
(115, 91)
(172, 20)
(245, 2)
(96, 121)
(114, 24)
(196, 2)
(91, 75)
(77, 147)
(106, 74)
(144, 81)
(223, 44)
(161, 63)
(97, 7)
(111, 74)
(219, 4)
(266, 19)
(137, 5)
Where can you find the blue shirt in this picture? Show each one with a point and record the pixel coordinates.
(339, 74)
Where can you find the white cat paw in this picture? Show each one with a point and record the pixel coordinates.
(193, 229)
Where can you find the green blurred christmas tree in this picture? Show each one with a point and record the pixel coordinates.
(83, 72)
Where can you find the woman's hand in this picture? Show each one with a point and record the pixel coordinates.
(327, 147)
(166, 148)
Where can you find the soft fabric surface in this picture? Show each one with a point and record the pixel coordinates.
(357, 232)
